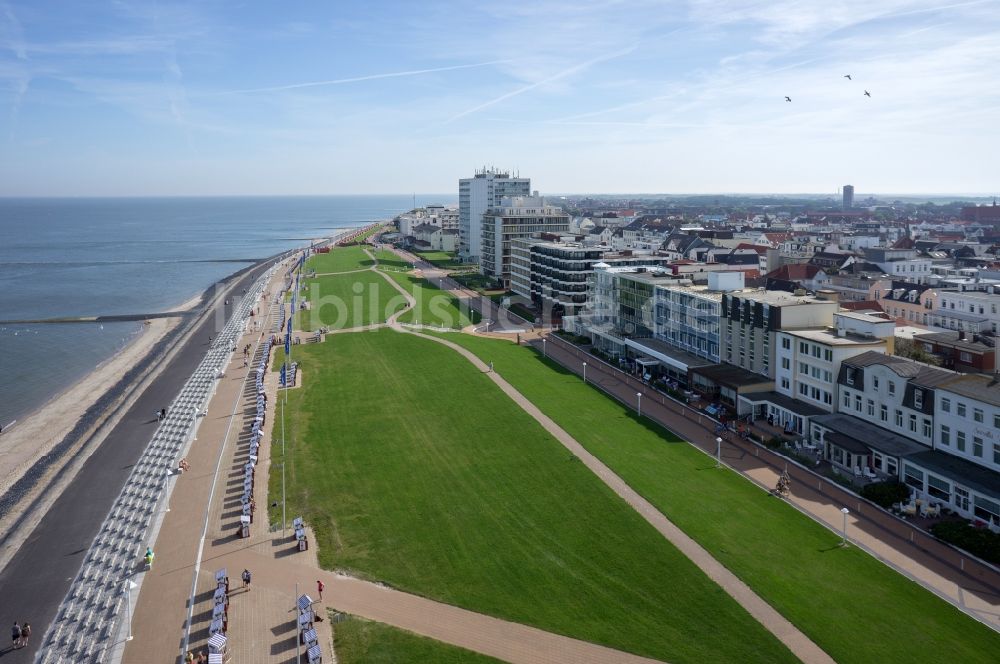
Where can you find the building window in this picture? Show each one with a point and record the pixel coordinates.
(960, 410)
(803, 348)
(786, 363)
(918, 399)
(871, 408)
(926, 428)
(816, 350)
(938, 488)
(977, 414)
(977, 446)
(913, 477)
(960, 441)
(786, 343)
(899, 418)
(850, 375)
(913, 423)
(828, 355)
(986, 509)
(784, 383)
(884, 413)
(892, 388)
(803, 389)
(996, 421)
(996, 453)
(875, 383)
(857, 402)
(828, 398)
(946, 405)
(945, 436)
(847, 400)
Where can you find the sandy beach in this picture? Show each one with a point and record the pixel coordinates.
(36, 434)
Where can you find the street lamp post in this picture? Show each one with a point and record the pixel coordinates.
(845, 512)
(718, 452)
(545, 351)
(129, 587)
(585, 372)
(638, 406)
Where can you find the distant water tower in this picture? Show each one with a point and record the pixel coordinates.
(848, 196)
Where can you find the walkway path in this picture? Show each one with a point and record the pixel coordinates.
(938, 568)
(261, 627)
(786, 632)
(941, 569)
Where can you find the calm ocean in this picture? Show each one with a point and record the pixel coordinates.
(88, 257)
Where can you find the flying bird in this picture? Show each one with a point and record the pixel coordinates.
(788, 98)
(868, 94)
(848, 77)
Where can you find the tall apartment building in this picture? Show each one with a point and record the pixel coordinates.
(518, 217)
(476, 195)
(751, 318)
(848, 196)
(557, 272)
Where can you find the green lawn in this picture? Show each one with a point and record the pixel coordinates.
(348, 300)
(391, 260)
(360, 641)
(444, 259)
(340, 259)
(415, 469)
(434, 306)
(852, 606)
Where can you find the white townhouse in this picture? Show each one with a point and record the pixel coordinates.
(807, 363)
(967, 418)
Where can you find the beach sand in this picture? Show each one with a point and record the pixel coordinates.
(36, 434)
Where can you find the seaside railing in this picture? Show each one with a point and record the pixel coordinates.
(90, 615)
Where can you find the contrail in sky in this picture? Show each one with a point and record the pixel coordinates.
(357, 79)
(531, 86)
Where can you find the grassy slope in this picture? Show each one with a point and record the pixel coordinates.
(442, 259)
(434, 307)
(360, 641)
(339, 259)
(416, 470)
(391, 259)
(855, 608)
(348, 300)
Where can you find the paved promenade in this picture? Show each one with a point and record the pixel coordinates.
(195, 540)
(39, 574)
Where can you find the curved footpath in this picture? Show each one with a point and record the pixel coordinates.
(38, 575)
(971, 588)
(197, 537)
(801, 645)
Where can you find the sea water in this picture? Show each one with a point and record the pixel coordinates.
(99, 256)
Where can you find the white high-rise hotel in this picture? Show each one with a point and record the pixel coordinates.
(478, 194)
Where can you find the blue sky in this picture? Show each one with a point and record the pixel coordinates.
(212, 97)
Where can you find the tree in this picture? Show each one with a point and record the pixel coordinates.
(912, 350)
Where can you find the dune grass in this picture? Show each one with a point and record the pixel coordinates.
(415, 469)
(851, 605)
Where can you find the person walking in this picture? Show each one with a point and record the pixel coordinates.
(15, 634)
(149, 557)
(25, 633)
(319, 588)
(246, 579)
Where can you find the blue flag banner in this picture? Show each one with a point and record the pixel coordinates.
(281, 378)
(289, 325)
(288, 344)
